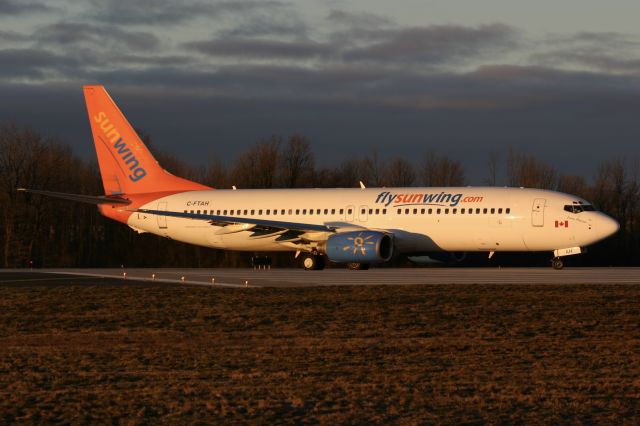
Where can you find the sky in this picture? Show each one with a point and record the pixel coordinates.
(464, 78)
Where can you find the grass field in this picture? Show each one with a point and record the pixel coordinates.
(75, 352)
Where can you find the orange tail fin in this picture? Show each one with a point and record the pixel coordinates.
(126, 165)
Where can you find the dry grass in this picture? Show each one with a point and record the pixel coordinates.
(431, 354)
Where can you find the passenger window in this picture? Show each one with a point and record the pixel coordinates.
(484, 211)
(318, 211)
(406, 211)
(377, 211)
(370, 211)
(508, 210)
(430, 211)
(341, 211)
(415, 211)
(310, 211)
(326, 211)
(493, 211)
(298, 211)
(350, 211)
(333, 211)
(454, 211)
(477, 211)
(185, 211)
(362, 211)
(421, 211)
(224, 212)
(399, 211)
(275, 212)
(290, 211)
(500, 211)
(253, 212)
(438, 211)
(217, 212)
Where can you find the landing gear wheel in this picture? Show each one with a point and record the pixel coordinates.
(557, 263)
(313, 262)
(358, 266)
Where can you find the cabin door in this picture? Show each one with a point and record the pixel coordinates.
(537, 212)
(162, 220)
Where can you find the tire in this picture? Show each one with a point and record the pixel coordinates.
(557, 264)
(313, 263)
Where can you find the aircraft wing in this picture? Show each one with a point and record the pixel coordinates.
(274, 225)
(91, 199)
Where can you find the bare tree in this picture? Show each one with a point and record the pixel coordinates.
(216, 174)
(441, 171)
(492, 168)
(616, 191)
(373, 170)
(576, 185)
(524, 170)
(399, 172)
(258, 166)
(297, 163)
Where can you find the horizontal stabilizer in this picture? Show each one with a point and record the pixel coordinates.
(91, 199)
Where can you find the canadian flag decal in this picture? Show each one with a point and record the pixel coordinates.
(562, 223)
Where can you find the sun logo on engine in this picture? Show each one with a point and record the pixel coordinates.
(360, 244)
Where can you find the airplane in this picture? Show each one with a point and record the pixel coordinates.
(353, 226)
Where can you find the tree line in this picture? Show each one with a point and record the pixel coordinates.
(56, 233)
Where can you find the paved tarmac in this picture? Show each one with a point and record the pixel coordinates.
(383, 276)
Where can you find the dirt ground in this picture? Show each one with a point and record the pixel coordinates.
(99, 351)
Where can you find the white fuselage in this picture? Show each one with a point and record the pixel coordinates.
(421, 220)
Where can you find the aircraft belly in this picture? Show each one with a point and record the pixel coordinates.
(241, 241)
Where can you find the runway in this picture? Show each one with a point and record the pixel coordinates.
(244, 277)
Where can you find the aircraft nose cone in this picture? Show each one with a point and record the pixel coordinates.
(608, 226)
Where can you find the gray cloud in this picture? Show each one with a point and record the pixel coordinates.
(363, 81)
(33, 64)
(260, 49)
(259, 26)
(13, 37)
(20, 7)
(68, 34)
(436, 44)
(170, 12)
(609, 52)
(361, 20)
(589, 59)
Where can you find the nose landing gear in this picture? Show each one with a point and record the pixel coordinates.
(557, 263)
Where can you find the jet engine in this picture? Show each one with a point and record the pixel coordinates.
(359, 247)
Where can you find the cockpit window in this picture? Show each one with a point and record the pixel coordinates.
(579, 208)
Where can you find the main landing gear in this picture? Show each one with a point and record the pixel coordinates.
(313, 262)
(557, 263)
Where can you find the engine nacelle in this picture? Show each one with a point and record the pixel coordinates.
(359, 247)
